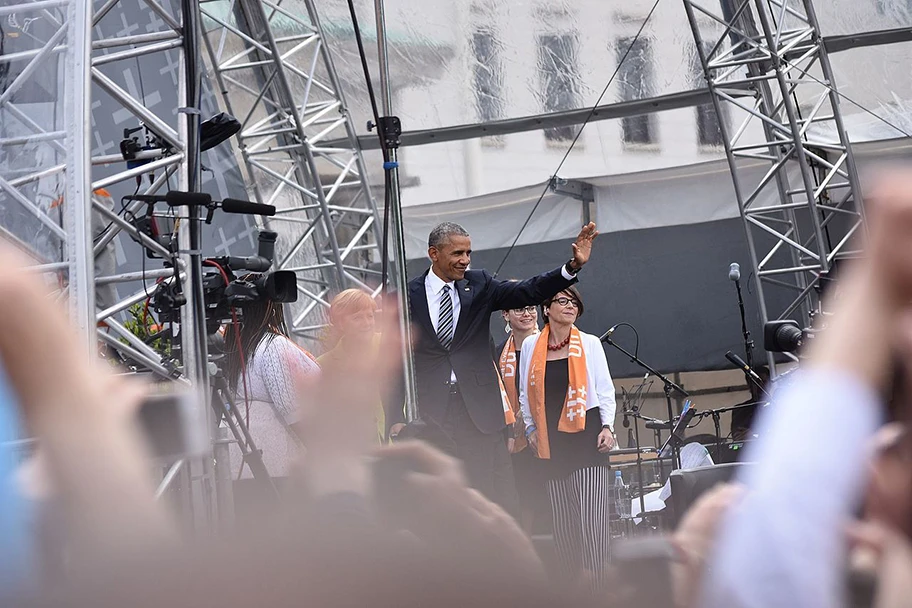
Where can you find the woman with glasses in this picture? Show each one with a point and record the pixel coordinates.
(568, 407)
(521, 323)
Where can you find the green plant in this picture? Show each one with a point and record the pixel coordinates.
(142, 325)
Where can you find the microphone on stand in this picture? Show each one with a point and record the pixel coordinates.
(741, 363)
(734, 272)
(608, 333)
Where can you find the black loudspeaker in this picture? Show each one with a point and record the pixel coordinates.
(688, 485)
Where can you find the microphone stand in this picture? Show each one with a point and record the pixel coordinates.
(669, 388)
(748, 342)
(636, 434)
(633, 437)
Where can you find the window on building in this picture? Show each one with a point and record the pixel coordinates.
(893, 7)
(487, 73)
(635, 79)
(559, 78)
(709, 127)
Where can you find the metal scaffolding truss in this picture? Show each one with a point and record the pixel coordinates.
(45, 197)
(52, 188)
(774, 48)
(65, 166)
(275, 74)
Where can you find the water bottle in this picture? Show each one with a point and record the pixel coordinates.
(621, 496)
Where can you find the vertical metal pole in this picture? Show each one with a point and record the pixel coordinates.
(77, 205)
(224, 490)
(194, 347)
(386, 97)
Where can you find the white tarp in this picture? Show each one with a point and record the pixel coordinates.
(685, 195)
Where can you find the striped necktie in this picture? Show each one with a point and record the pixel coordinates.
(445, 323)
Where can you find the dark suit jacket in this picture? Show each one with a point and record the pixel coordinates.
(469, 356)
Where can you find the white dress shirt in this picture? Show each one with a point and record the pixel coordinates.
(785, 544)
(433, 287)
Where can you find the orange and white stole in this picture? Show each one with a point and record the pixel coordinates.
(573, 414)
(507, 375)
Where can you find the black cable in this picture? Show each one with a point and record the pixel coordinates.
(636, 349)
(367, 76)
(387, 170)
(578, 133)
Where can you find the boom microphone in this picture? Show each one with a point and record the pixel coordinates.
(233, 205)
(176, 198)
(734, 272)
(739, 362)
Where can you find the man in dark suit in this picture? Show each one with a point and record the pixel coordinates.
(450, 307)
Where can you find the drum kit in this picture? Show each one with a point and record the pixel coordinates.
(647, 463)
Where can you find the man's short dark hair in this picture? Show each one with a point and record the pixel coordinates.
(442, 233)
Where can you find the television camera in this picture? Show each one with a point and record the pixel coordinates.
(229, 282)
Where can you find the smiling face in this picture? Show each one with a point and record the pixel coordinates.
(451, 258)
(357, 324)
(564, 309)
(522, 319)
(353, 316)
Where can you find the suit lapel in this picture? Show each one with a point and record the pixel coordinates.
(466, 294)
(419, 304)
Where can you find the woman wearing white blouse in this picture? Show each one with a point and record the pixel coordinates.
(563, 377)
(267, 371)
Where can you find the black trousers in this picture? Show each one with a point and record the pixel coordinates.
(485, 458)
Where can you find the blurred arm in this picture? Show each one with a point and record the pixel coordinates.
(785, 545)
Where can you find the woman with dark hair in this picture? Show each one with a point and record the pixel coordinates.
(563, 377)
(265, 369)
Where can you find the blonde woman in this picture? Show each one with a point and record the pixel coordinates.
(353, 332)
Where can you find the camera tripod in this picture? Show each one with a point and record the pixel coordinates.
(226, 409)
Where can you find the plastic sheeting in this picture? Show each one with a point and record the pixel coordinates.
(637, 201)
(30, 208)
(466, 62)
(470, 62)
(449, 170)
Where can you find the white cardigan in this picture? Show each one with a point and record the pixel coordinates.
(600, 383)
